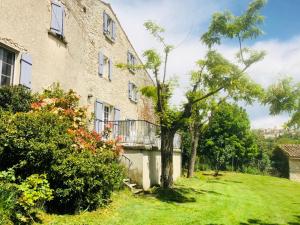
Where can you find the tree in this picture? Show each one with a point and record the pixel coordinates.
(229, 26)
(284, 96)
(215, 75)
(228, 140)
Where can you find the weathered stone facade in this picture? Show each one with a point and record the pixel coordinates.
(294, 165)
(73, 60)
(80, 55)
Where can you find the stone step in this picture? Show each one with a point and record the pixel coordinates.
(137, 191)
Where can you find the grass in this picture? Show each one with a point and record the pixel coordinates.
(228, 199)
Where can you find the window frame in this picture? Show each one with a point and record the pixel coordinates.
(13, 59)
(131, 59)
(108, 31)
(133, 92)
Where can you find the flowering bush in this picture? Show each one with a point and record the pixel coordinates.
(52, 138)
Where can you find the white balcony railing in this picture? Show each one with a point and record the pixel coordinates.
(133, 132)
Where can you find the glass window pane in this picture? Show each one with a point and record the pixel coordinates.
(5, 80)
(6, 69)
(8, 57)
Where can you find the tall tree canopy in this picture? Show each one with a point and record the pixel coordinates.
(215, 75)
(228, 140)
(284, 96)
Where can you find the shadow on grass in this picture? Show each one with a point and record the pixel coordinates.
(260, 222)
(173, 195)
(213, 174)
(180, 194)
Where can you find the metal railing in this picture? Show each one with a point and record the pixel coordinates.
(136, 132)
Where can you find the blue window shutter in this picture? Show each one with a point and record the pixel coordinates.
(105, 22)
(114, 31)
(117, 114)
(98, 116)
(101, 64)
(57, 18)
(128, 58)
(129, 90)
(110, 69)
(26, 70)
(117, 118)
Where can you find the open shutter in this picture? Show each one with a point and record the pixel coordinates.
(110, 63)
(117, 117)
(117, 114)
(57, 18)
(105, 22)
(101, 64)
(128, 58)
(99, 116)
(129, 90)
(114, 31)
(26, 70)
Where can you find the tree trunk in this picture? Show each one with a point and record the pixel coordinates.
(167, 137)
(195, 132)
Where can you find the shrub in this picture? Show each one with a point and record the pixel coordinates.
(84, 181)
(53, 139)
(20, 201)
(15, 98)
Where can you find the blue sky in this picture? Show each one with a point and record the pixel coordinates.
(186, 20)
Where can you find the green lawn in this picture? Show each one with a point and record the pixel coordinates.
(229, 199)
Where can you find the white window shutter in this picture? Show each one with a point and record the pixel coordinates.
(105, 22)
(128, 58)
(117, 114)
(114, 31)
(26, 70)
(57, 18)
(98, 116)
(130, 91)
(100, 64)
(110, 69)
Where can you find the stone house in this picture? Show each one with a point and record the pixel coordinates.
(288, 161)
(77, 43)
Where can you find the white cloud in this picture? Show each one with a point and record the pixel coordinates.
(185, 21)
(269, 122)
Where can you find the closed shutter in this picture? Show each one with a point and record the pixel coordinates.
(105, 22)
(57, 18)
(114, 32)
(101, 64)
(26, 70)
(110, 69)
(99, 116)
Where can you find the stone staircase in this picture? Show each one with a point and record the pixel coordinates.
(132, 186)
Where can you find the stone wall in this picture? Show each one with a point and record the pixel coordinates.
(146, 166)
(294, 165)
(25, 27)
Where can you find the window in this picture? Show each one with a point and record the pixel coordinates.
(57, 18)
(131, 61)
(105, 66)
(7, 59)
(104, 113)
(109, 27)
(132, 92)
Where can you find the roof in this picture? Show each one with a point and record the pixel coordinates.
(292, 150)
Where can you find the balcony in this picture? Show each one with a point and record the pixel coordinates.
(133, 132)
